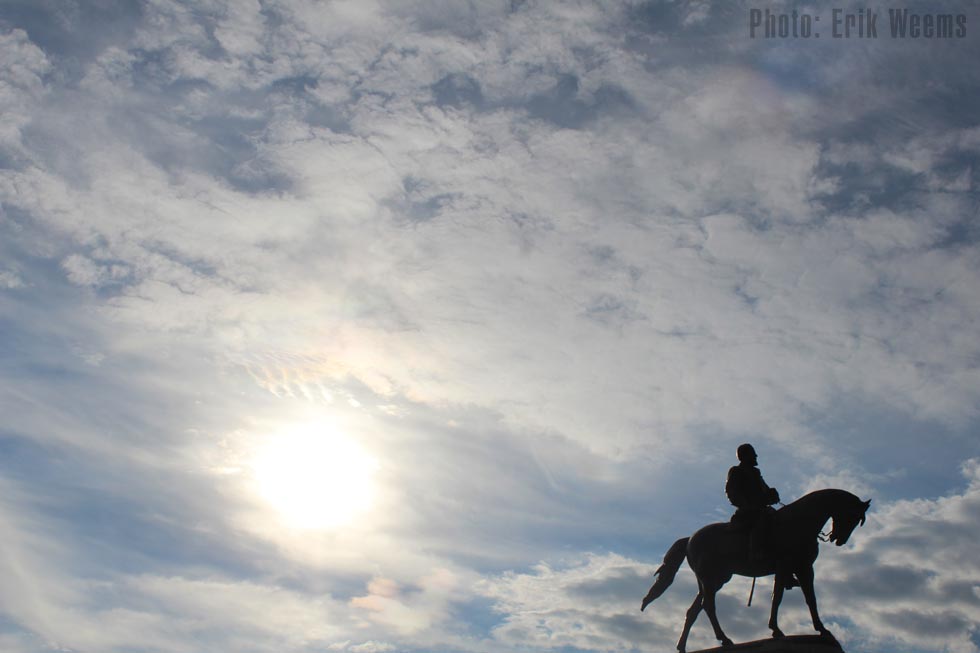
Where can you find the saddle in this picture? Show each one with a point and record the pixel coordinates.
(756, 525)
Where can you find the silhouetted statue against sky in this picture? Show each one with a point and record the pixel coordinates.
(718, 551)
(752, 498)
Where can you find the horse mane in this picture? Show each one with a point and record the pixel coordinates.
(825, 493)
(819, 497)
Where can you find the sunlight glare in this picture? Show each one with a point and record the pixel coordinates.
(314, 477)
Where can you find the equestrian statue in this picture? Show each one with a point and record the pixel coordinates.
(759, 541)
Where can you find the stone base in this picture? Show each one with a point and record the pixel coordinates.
(789, 644)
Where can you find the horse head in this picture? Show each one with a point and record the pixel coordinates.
(846, 520)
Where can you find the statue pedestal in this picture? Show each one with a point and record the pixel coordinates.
(789, 644)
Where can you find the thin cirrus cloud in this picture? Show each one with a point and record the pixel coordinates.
(547, 263)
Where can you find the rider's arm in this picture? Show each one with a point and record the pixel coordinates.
(770, 493)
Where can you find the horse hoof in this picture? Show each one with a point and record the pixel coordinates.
(777, 633)
(727, 643)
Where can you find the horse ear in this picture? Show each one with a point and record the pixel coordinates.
(867, 504)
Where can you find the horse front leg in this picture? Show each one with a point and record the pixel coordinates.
(805, 577)
(777, 598)
(709, 607)
(692, 614)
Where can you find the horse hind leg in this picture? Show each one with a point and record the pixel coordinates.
(692, 614)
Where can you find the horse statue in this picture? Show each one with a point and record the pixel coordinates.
(718, 551)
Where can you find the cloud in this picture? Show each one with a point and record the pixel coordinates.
(906, 580)
(706, 248)
(593, 604)
(550, 262)
(21, 85)
(911, 579)
(10, 280)
(409, 615)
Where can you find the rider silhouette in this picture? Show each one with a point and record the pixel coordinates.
(752, 498)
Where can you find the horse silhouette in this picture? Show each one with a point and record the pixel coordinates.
(718, 551)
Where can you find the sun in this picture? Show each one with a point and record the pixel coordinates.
(314, 477)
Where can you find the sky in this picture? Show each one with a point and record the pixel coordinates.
(428, 325)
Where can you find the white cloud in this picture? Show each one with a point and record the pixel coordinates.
(593, 604)
(504, 213)
(10, 280)
(544, 292)
(911, 578)
(83, 271)
(31, 597)
(908, 579)
(408, 615)
(21, 85)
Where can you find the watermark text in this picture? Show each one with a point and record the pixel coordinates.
(860, 23)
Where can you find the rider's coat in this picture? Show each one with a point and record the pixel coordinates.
(748, 491)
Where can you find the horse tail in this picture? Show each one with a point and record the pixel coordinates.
(666, 572)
